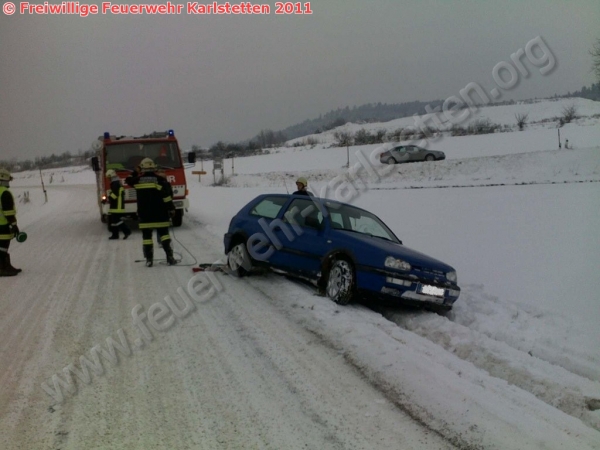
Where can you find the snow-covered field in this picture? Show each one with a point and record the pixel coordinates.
(264, 363)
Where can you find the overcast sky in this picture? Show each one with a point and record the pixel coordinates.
(67, 79)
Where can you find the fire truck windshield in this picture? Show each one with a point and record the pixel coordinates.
(127, 156)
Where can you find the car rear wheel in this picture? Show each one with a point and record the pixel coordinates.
(391, 161)
(430, 157)
(239, 261)
(340, 282)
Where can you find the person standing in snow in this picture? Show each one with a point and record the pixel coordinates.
(302, 186)
(567, 144)
(116, 200)
(155, 208)
(8, 224)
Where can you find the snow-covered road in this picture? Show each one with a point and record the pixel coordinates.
(236, 372)
(261, 363)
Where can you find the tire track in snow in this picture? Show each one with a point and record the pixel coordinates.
(551, 383)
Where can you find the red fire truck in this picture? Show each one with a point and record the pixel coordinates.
(124, 154)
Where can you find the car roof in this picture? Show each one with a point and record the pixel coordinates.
(323, 201)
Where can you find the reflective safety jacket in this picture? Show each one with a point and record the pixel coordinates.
(154, 201)
(116, 199)
(8, 213)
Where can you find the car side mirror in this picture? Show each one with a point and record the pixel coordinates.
(95, 164)
(191, 157)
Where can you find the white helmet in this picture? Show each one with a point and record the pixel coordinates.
(111, 173)
(5, 175)
(147, 164)
(302, 181)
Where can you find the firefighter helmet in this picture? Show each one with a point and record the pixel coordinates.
(111, 173)
(302, 181)
(5, 175)
(147, 164)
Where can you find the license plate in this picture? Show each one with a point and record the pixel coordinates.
(430, 290)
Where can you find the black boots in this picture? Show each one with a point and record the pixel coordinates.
(125, 229)
(6, 269)
(114, 229)
(171, 261)
(149, 255)
(10, 265)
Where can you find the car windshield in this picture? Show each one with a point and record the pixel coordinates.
(129, 155)
(344, 217)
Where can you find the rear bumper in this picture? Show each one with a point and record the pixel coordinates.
(181, 203)
(131, 207)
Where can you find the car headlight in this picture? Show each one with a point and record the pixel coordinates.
(395, 263)
(451, 276)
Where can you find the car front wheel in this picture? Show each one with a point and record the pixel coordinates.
(430, 158)
(391, 161)
(239, 262)
(340, 283)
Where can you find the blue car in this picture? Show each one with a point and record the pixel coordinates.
(347, 252)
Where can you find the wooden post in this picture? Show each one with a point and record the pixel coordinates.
(348, 155)
(44, 187)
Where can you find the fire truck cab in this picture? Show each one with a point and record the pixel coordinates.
(124, 153)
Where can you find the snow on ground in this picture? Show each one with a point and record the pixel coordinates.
(267, 364)
(541, 114)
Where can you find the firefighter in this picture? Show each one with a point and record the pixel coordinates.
(155, 208)
(302, 185)
(8, 224)
(116, 201)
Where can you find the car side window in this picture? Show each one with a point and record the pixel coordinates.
(269, 207)
(304, 213)
(337, 220)
(401, 149)
(367, 225)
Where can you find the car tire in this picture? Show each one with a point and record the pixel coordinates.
(239, 262)
(340, 282)
(430, 157)
(391, 161)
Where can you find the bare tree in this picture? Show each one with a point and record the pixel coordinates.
(569, 113)
(521, 120)
(380, 135)
(395, 135)
(595, 52)
(343, 138)
(363, 137)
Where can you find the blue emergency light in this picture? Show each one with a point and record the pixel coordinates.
(106, 135)
(171, 133)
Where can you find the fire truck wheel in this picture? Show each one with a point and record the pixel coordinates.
(178, 219)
